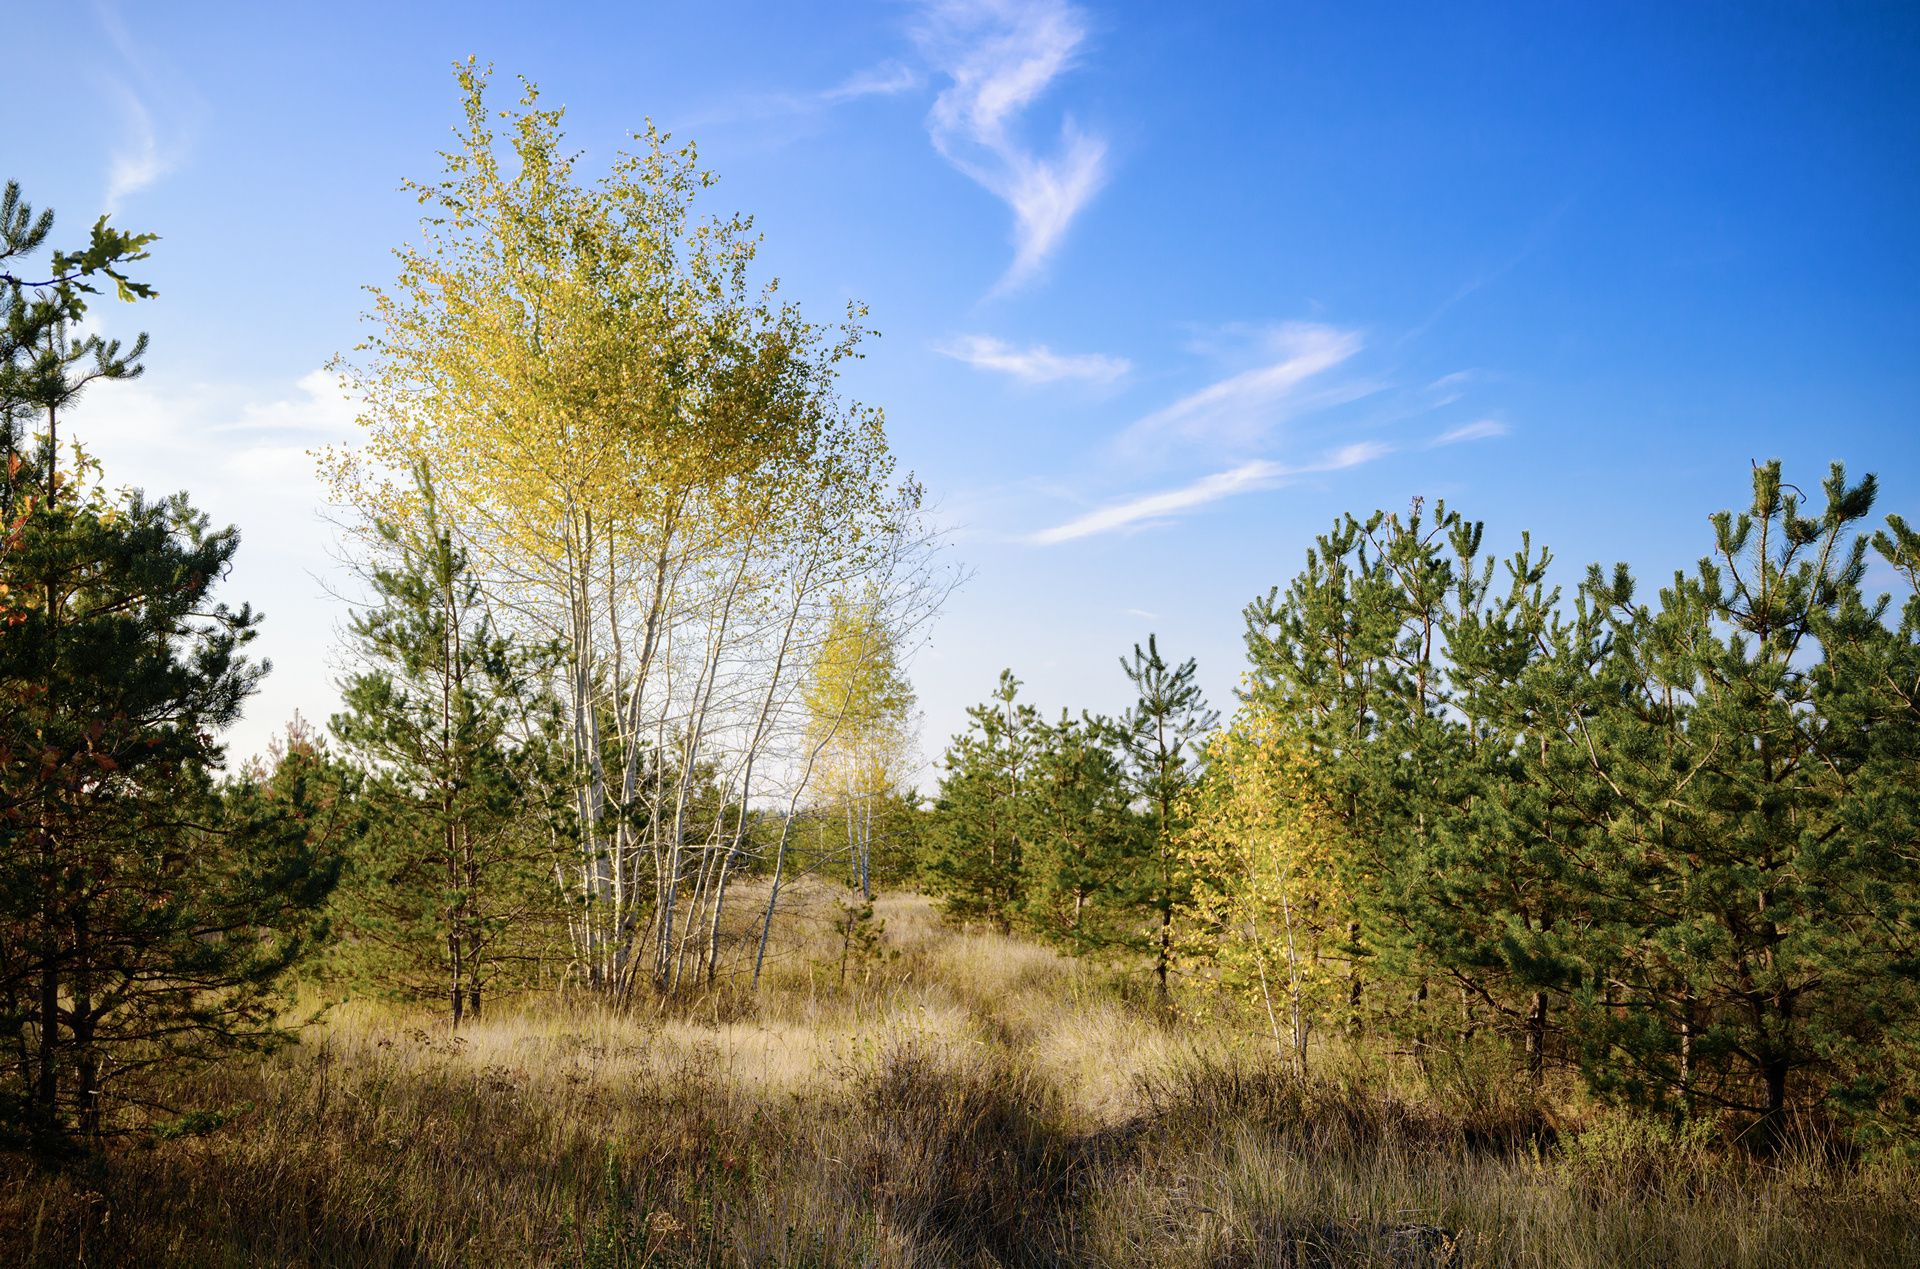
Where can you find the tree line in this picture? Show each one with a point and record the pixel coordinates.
(1665, 841)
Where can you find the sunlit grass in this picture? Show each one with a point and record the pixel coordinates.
(964, 1098)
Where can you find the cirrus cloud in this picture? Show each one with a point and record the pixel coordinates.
(1249, 477)
(1478, 430)
(999, 57)
(1241, 410)
(1036, 364)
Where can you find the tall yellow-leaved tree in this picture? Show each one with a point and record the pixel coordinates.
(648, 459)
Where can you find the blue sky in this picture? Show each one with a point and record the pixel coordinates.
(1163, 289)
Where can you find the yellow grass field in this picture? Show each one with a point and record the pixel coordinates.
(963, 1098)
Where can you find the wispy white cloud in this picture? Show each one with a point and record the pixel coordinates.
(802, 109)
(1141, 613)
(888, 79)
(1038, 364)
(1534, 240)
(1240, 410)
(1478, 430)
(151, 145)
(1248, 477)
(191, 435)
(1000, 56)
(136, 162)
(1451, 387)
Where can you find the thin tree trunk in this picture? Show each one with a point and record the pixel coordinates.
(1536, 1035)
(86, 1057)
(47, 1085)
(746, 786)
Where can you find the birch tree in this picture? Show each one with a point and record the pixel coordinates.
(1265, 909)
(859, 707)
(647, 457)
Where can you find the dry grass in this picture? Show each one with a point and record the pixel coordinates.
(966, 1099)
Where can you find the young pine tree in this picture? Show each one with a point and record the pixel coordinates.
(1160, 736)
(983, 815)
(1390, 657)
(146, 913)
(1741, 756)
(1086, 850)
(451, 856)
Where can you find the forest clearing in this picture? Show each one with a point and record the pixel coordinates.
(1434, 786)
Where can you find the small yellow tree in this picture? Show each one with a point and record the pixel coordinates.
(1262, 928)
(860, 713)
